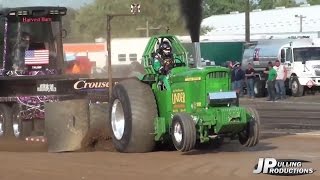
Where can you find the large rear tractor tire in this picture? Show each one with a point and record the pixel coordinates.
(251, 135)
(183, 132)
(5, 120)
(131, 117)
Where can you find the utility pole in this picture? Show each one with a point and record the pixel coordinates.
(247, 21)
(148, 28)
(135, 9)
(301, 19)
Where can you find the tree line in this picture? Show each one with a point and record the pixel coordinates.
(89, 22)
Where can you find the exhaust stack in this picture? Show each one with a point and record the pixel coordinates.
(197, 55)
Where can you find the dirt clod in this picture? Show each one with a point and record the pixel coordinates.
(97, 140)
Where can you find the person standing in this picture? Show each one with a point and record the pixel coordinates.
(250, 80)
(238, 76)
(265, 76)
(281, 77)
(233, 76)
(272, 75)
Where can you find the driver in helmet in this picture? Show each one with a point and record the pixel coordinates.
(163, 63)
(164, 60)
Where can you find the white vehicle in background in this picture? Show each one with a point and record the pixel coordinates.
(124, 51)
(301, 57)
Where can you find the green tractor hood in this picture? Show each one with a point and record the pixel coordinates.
(182, 74)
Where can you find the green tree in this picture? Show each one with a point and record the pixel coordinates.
(286, 3)
(271, 4)
(313, 2)
(67, 23)
(266, 4)
(90, 22)
(223, 7)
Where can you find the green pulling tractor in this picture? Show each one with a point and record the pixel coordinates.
(196, 106)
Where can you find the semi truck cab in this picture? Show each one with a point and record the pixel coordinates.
(303, 66)
(301, 57)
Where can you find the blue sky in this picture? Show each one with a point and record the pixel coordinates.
(69, 3)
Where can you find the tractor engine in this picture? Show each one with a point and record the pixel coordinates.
(201, 88)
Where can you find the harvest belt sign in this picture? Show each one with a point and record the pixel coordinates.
(178, 99)
(36, 19)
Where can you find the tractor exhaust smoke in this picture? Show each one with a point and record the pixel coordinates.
(192, 12)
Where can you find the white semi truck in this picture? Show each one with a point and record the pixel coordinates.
(301, 57)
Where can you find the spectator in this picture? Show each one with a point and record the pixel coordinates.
(281, 77)
(250, 80)
(238, 76)
(232, 80)
(265, 76)
(272, 75)
(230, 64)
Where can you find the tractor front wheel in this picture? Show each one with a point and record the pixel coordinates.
(132, 113)
(183, 132)
(250, 136)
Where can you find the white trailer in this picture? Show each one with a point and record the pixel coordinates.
(124, 51)
(301, 57)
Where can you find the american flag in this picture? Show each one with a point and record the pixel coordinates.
(37, 57)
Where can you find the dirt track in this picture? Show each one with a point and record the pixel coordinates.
(228, 161)
(299, 114)
(30, 161)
